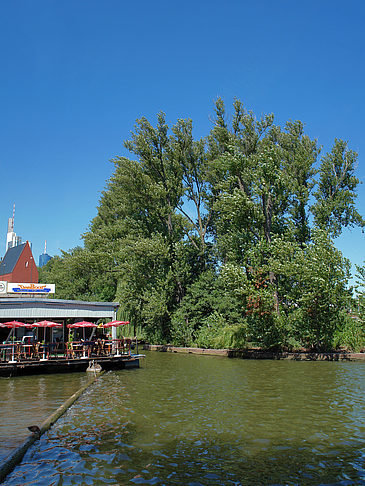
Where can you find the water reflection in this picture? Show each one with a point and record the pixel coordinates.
(28, 401)
(184, 419)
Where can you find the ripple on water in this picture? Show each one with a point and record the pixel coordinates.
(200, 420)
(28, 400)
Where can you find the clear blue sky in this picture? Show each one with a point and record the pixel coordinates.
(76, 74)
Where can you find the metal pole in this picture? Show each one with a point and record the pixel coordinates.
(13, 346)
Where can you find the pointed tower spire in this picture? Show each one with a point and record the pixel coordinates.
(11, 238)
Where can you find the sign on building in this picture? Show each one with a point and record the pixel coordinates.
(30, 288)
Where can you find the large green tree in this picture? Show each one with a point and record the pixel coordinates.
(152, 222)
(228, 235)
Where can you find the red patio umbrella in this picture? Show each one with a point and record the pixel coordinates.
(115, 323)
(13, 325)
(82, 324)
(45, 324)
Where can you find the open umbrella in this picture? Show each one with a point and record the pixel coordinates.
(45, 324)
(83, 325)
(13, 325)
(115, 324)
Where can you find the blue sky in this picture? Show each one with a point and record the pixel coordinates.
(76, 74)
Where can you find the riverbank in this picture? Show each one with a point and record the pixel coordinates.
(259, 354)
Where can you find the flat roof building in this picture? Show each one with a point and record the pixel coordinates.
(30, 309)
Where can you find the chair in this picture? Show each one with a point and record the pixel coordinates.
(54, 348)
(6, 352)
(108, 346)
(128, 343)
(69, 350)
(77, 349)
(95, 348)
(119, 345)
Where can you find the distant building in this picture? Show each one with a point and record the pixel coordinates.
(11, 238)
(44, 258)
(18, 265)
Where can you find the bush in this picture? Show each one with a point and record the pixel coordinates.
(217, 334)
(351, 335)
(182, 329)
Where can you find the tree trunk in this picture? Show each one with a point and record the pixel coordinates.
(267, 208)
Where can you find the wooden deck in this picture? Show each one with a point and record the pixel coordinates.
(68, 365)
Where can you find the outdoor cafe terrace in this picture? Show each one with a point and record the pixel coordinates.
(39, 328)
(85, 340)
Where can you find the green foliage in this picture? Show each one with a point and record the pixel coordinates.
(252, 288)
(321, 294)
(360, 291)
(80, 275)
(210, 242)
(206, 299)
(351, 335)
(216, 333)
(311, 287)
(335, 206)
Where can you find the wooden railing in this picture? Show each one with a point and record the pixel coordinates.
(19, 351)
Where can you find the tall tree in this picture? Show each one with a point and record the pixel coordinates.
(220, 224)
(191, 157)
(335, 208)
(156, 158)
(300, 154)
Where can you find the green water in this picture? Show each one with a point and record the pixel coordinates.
(28, 400)
(198, 420)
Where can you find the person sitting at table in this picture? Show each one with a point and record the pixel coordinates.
(99, 346)
(108, 346)
(35, 350)
(55, 345)
(94, 347)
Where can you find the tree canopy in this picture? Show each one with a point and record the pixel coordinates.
(225, 240)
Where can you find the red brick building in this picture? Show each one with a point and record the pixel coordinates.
(18, 265)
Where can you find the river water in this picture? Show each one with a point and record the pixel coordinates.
(197, 420)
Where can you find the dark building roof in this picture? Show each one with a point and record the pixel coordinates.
(10, 259)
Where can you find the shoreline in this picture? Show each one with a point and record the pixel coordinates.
(260, 354)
